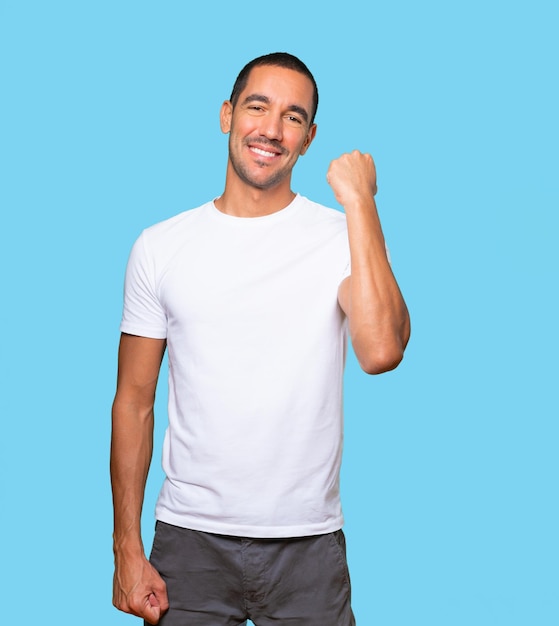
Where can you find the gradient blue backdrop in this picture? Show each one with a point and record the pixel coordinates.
(109, 123)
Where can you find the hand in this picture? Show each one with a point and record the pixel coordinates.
(139, 589)
(353, 178)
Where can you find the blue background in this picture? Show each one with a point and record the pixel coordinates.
(109, 123)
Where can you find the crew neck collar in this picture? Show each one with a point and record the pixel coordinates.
(271, 217)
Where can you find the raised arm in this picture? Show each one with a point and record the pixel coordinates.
(137, 588)
(379, 323)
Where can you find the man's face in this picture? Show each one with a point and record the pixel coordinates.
(269, 127)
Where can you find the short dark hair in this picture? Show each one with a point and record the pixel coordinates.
(277, 59)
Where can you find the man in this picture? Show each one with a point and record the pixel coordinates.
(252, 295)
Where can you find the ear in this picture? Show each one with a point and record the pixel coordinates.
(311, 134)
(225, 116)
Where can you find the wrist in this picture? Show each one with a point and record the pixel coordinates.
(129, 544)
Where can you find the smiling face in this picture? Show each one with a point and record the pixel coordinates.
(269, 126)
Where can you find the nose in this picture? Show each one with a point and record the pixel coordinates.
(272, 127)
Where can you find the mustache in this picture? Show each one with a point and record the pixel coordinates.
(267, 143)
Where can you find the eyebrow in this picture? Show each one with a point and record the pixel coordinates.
(256, 97)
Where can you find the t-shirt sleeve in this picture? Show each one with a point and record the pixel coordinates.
(347, 271)
(143, 314)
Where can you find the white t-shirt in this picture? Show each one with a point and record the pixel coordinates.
(256, 346)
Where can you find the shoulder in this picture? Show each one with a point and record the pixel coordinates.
(166, 231)
(158, 244)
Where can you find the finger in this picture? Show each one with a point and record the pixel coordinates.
(153, 601)
(152, 610)
(152, 616)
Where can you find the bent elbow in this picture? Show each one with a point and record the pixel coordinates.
(377, 362)
(377, 355)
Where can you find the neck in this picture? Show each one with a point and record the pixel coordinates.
(240, 199)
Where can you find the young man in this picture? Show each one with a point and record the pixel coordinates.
(252, 294)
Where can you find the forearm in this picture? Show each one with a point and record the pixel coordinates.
(378, 318)
(131, 451)
(137, 586)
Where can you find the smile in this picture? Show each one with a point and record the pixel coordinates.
(263, 153)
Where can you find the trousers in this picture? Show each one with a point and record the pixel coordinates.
(217, 580)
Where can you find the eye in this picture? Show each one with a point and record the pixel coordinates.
(293, 119)
(255, 108)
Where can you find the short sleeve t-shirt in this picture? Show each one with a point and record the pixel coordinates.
(256, 349)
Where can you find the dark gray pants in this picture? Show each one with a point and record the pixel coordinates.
(217, 580)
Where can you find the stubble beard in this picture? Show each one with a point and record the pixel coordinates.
(244, 173)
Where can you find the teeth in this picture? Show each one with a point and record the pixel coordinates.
(263, 152)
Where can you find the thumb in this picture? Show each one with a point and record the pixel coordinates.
(152, 610)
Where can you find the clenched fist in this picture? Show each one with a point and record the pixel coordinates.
(353, 178)
(138, 589)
